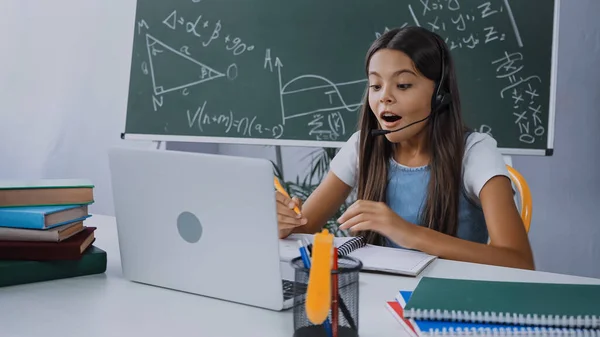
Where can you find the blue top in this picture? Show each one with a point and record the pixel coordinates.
(406, 195)
(407, 186)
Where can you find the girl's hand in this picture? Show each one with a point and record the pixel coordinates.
(287, 219)
(378, 217)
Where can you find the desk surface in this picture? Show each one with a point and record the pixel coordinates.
(109, 305)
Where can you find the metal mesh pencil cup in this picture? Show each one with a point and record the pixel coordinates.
(347, 322)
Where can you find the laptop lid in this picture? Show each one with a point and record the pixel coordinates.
(200, 223)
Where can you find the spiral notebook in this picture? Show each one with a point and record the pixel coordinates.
(521, 303)
(421, 327)
(374, 258)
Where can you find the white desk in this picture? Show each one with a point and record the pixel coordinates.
(109, 306)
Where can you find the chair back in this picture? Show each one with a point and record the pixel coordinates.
(525, 203)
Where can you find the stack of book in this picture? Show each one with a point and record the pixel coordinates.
(42, 231)
(454, 307)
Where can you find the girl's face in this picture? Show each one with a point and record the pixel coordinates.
(398, 94)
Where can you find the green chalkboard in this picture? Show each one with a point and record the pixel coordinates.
(291, 72)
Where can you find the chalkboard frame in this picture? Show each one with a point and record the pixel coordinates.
(548, 151)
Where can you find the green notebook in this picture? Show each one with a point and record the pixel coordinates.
(14, 272)
(542, 304)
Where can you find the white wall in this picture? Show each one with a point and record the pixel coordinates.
(64, 71)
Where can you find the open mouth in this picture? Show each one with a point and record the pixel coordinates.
(390, 117)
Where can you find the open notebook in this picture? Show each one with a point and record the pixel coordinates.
(374, 258)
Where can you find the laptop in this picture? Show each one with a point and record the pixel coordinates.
(200, 223)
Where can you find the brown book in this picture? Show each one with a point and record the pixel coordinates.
(54, 234)
(45, 192)
(69, 249)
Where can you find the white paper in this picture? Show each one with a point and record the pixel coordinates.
(374, 258)
(393, 260)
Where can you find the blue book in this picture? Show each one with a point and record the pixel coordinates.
(431, 327)
(42, 217)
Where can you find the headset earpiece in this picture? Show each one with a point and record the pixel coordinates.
(441, 98)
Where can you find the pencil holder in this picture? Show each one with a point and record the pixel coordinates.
(347, 301)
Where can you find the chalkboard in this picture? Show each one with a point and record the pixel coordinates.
(291, 72)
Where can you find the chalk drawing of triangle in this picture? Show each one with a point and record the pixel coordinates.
(173, 70)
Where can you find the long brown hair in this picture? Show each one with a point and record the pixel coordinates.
(445, 129)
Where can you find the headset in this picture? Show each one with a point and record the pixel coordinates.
(440, 99)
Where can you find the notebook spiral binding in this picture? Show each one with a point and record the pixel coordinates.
(351, 245)
(508, 331)
(508, 318)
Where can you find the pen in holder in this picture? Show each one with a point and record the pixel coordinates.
(348, 270)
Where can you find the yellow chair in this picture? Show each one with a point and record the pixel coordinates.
(524, 196)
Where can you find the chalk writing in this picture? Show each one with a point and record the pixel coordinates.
(487, 10)
(491, 34)
(207, 32)
(327, 127)
(485, 129)
(157, 102)
(523, 94)
(324, 97)
(232, 71)
(145, 68)
(214, 35)
(453, 5)
(229, 123)
(185, 50)
(194, 71)
(208, 69)
(334, 100)
(458, 31)
(461, 22)
(268, 61)
(432, 5)
(142, 24)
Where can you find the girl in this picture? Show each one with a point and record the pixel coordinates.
(423, 181)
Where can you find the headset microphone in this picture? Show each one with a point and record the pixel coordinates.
(380, 132)
(445, 100)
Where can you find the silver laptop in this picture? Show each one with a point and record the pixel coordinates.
(199, 223)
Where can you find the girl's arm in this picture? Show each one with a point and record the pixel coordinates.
(509, 243)
(322, 204)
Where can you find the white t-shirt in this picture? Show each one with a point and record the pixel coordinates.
(481, 162)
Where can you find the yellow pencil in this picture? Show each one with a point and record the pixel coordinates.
(282, 191)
